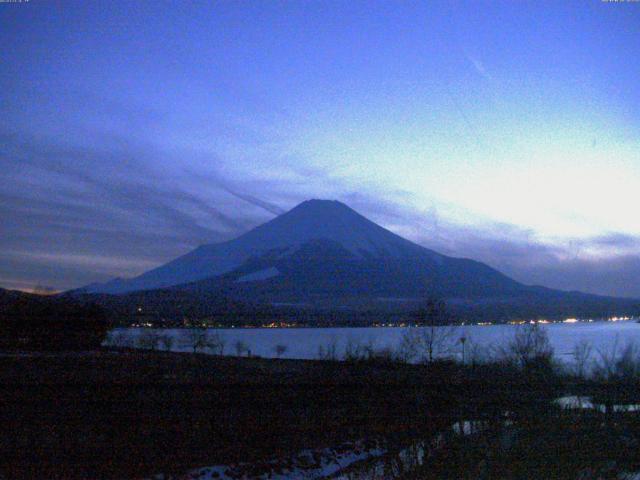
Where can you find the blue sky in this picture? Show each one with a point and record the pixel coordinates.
(508, 132)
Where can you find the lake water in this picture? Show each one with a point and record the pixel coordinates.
(304, 343)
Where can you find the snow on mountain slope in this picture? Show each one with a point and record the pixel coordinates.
(259, 275)
(311, 220)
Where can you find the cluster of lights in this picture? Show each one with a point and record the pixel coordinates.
(566, 320)
(280, 325)
(142, 325)
(283, 324)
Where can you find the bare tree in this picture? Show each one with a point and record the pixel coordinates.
(280, 349)
(530, 346)
(195, 338)
(477, 354)
(617, 367)
(409, 347)
(433, 336)
(581, 355)
(618, 364)
(328, 352)
(354, 351)
(215, 342)
(605, 365)
(240, 347)
(628, 364)
(200, 339)
(166, 341)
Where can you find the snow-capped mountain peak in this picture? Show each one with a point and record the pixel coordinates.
(330, 220)
(311, 220)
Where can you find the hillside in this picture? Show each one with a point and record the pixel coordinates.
(324, 256)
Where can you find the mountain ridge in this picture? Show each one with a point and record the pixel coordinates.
(324, 256)
(302, 223)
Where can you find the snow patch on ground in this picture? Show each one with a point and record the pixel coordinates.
(629, 476)
(574, 402)
(469, 427)
(307, 464)
(351, 460)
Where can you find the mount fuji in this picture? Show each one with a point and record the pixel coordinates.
(328, 227)
(324, 254)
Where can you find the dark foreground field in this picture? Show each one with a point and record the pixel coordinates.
(129, 414)
(121, 414)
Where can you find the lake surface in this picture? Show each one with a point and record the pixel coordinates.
(304, 343)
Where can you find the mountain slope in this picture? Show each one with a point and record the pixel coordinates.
(325, 268)
(311, 220)
(323, 275)
(322, 255)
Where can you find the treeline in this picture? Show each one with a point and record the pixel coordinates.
(35, 322)
(542, 303)
(177, 308)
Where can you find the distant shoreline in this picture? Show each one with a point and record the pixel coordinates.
(465, 324)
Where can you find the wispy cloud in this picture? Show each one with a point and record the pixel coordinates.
(78, 210)
(269, 207)
(479, 67)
